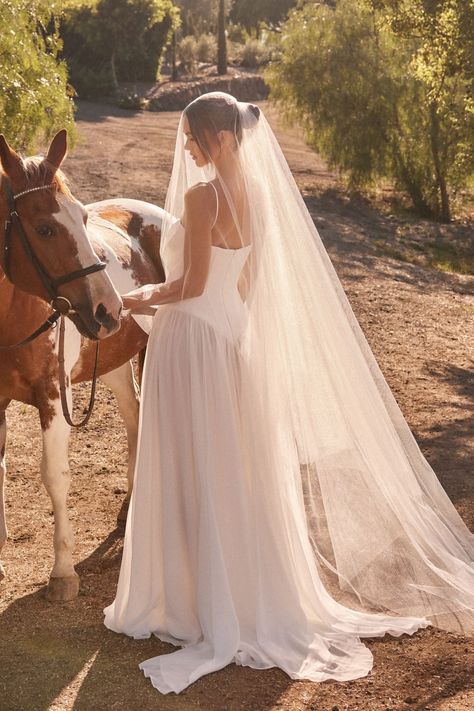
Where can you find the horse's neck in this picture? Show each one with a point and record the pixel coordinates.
(9, 315)
(17, 304)
(7, 295)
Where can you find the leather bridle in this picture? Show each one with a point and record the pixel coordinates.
(51, 284)
(60, 304)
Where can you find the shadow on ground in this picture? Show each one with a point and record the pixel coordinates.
(43, 651)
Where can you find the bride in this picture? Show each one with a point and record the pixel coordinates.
(282, 509)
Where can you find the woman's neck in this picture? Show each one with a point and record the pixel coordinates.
(228, 169)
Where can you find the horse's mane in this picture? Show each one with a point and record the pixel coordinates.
(38, 171)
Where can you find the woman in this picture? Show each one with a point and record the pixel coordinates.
(282, 509)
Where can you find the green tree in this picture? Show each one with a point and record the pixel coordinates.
(198, 16)
(35, 99)
(442, 33)
(360, 87)
(113, 40)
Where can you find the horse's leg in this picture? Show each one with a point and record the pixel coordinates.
(64, 581)
(124, 386)
(3, 471)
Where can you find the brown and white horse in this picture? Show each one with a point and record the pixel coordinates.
(67, 237)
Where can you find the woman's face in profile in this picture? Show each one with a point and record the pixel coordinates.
(221, 145)
(193, 147)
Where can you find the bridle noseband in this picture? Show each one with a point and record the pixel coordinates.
(60, 303)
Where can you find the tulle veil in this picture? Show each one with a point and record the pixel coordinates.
(320, 425)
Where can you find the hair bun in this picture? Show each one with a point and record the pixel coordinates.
(255, 110)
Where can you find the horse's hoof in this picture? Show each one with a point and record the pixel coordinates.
(2, 572)
(122, 514)
(63, 589)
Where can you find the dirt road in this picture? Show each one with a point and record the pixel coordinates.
(419, 323)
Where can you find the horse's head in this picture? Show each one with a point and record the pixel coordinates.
(44, 247)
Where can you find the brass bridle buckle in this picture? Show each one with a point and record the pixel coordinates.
(63, 305)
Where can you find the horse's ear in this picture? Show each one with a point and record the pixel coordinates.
(11, 161)
(57, 149)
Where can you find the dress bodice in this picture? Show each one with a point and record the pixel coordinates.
(220, 303)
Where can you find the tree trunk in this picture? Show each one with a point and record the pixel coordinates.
(221, 40)
(113, 72)
(445, 214)
(174, 68)
(404, 175)
(409, 183)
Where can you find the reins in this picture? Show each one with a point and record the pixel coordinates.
(61, 306)
(62, 381)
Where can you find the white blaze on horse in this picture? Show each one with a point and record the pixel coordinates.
(53, 249)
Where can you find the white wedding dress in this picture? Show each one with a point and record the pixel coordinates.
(215, 559)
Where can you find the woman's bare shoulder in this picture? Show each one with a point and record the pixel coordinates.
(200, 199)
(203, 190)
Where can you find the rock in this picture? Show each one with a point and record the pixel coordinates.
(175, 96)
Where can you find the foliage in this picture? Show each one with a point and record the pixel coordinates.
(206, 48)
(251, 13)
(198, 16)
(187, 53)
(443, 62)
(35, 99)
(131, 100)
(115, 40)
(373, 99)
(237, 33)
(254, 53)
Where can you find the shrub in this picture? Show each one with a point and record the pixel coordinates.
(35, 99)
(187, 53)
(117, 40)
(254, 53)
(91, 83)
(374, 101)
(237, 33)
(131, 100)
(206, 49)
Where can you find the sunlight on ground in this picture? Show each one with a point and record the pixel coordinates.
(66, 698)
(464, 701)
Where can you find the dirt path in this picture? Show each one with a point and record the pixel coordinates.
(419, 323)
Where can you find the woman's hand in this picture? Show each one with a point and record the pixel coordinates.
(139, 298)
(140, 311)
(130, 303)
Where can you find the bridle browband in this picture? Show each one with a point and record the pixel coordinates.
(60, 304)
(50, 284)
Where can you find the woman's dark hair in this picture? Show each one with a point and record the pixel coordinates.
(255, 110)
(215, 112)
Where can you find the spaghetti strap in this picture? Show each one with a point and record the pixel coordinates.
(217, 204)
(236, 223)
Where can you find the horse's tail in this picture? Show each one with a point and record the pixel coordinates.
(141, 363)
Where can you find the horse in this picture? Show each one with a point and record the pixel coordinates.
(90, 254)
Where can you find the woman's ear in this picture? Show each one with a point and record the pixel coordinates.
(226, 140)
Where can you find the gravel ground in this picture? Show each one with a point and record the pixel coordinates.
(419, 323)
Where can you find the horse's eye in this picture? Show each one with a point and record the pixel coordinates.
(45, 230)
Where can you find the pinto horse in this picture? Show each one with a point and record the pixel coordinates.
(66, 238)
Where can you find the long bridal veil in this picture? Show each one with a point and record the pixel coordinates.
(321, 428)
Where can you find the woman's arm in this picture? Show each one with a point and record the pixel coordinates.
(199, 210)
